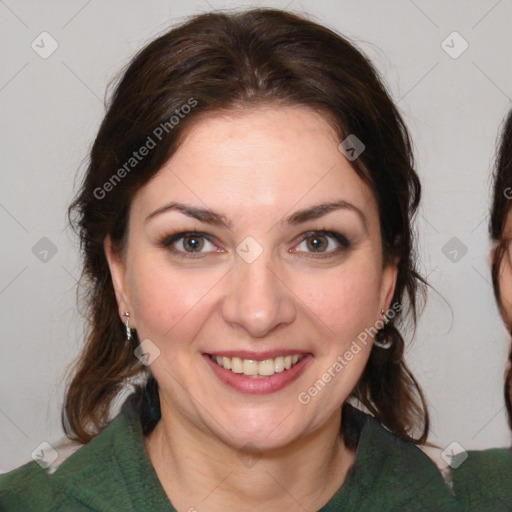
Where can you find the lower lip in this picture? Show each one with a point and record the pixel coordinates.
(259, 385)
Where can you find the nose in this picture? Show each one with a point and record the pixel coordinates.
(258, 300)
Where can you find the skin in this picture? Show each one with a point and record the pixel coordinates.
(505, 278)
(255, 167)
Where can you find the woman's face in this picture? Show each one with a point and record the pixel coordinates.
(257, 244)
(505, 277)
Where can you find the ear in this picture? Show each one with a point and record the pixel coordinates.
(388, 283)
(118, 273)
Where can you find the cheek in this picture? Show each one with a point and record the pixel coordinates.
(163, 298)
(346, 300)
(505, 284)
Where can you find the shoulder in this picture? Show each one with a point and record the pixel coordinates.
(396, 474)
(25, 489)
(400, 456)
(112, 472)
(483, 482)
(32, 488)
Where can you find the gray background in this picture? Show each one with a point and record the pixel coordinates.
(51, 109)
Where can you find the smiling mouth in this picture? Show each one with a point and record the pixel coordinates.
(253, 368)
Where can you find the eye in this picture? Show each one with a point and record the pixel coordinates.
(189, 243)
(324, 242)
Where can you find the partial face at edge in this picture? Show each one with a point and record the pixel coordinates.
(255, 278)
(505, 277)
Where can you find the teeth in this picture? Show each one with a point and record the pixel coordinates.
(236, 365)
(279, 364)
(251, 367)
(266, 367)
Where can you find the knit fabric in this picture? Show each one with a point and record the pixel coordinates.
(483, 482)
(113, 473)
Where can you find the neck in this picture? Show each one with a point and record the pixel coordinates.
(199, 471)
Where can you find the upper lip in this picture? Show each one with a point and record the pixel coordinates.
(258, 356)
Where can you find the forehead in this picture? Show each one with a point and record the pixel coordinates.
(264, 160)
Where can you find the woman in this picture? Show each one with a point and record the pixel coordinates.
(484, 481)
(245, 226)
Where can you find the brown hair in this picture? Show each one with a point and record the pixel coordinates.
(502, 194)
(221, 62)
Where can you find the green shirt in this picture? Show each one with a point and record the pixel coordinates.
(483, 482)
(113, 473)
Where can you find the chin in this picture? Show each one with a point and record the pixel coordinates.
(259, 434)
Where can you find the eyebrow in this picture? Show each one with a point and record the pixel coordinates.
(315, 212)
(201, 214)
(299, 217)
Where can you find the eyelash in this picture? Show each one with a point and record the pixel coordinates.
(344, 244)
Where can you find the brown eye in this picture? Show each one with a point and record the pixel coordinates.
(317, 243)
(189, 244)
(193, 243)
(327, 243)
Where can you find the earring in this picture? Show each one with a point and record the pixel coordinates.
(127, 326)
(377, 341)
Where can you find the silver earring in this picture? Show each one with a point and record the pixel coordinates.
(127, 326)
(376, 341)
